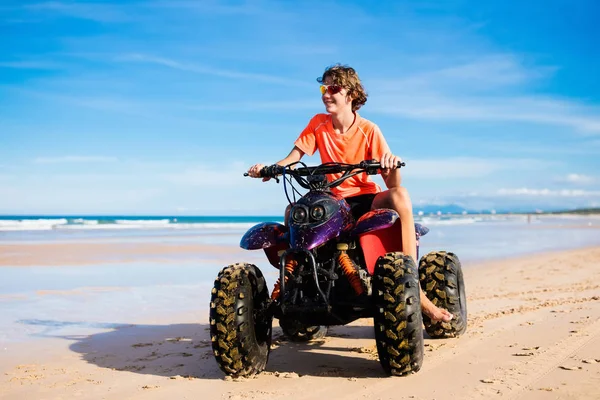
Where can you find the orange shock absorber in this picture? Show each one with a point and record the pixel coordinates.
(350, 271)
(290, 266)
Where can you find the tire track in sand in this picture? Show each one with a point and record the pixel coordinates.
(523, 376)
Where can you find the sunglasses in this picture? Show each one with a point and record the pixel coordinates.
(331, 89)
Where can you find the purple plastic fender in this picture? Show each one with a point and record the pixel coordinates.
(263, 235)
(309, 236)
(374, 220)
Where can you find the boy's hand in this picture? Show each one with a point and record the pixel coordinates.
(389, 161)
(254, 171)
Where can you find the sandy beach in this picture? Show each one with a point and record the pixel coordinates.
(533, 333)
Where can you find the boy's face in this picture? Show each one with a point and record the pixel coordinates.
(338, 102)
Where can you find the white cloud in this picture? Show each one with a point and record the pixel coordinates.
(206, 70)
(131, 106)
(485, 87)
(467, 167)
(480, 72)
(577, 179)
(30, 65)
(91, 11)
(207, 7)
(74, 159)
(309, 105)
(522, 199)
(548, 192)
(229, 176)
(74, 200)
(517, 109)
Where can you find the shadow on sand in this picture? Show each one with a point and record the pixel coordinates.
(184, 350)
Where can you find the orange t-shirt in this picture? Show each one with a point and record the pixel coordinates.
(363, 141)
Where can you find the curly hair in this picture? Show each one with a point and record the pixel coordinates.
(346, 77)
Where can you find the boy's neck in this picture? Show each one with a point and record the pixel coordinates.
(343, 121)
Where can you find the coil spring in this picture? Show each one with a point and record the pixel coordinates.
(351, 273)
(290, 266)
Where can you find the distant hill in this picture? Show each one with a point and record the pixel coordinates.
(584, 211)
(456, 209)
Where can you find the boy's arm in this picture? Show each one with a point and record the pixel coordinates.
(295, 155)
(390, 171)
(391, 177)
(381, 151)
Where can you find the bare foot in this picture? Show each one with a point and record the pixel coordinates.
(434, 312)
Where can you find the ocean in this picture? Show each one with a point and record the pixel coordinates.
(113, 223)
(475, 237)
(61, 301)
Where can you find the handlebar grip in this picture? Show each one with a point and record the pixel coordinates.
(271, 171)
(373, 167)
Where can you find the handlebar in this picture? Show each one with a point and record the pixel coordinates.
(371, 167)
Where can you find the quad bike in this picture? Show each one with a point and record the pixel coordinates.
(333, 270)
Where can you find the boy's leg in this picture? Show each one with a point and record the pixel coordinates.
(398, 199)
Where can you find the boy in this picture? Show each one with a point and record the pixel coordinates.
(342, 135)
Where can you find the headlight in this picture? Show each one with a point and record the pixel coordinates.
(317, 212)
(299, 214)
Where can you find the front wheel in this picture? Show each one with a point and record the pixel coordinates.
(398, 320)
(441, 279)
(240, 324)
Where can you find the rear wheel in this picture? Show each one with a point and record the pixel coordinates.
(240, 326)
(441, 278)
(298, 332)
(398, 320)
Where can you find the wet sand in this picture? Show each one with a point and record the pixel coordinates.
(86, 253)
(534, 333)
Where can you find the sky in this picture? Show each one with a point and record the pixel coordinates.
(159, 107)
